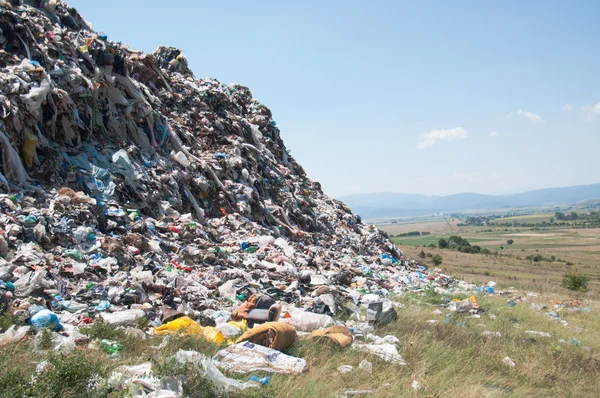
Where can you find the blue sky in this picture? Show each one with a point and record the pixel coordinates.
(417, 97)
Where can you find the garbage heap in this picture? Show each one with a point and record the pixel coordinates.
(133, 189)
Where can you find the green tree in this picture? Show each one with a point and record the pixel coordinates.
(437, 259)
(443, 243)
(573, 216)
(422, 254)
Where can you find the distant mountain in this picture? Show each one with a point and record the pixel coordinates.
(389, 204)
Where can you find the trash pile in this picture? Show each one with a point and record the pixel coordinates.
(132, 190)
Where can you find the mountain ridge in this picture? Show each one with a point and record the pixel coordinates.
(391, 204)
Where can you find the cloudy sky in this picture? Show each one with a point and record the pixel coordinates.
(420, 97)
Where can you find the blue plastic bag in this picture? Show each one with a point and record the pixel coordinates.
(46, 319)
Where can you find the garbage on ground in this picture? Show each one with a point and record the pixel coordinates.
(416, 386)
(538, 334)
(338, 335)
(488, 333)
(276, 335)
(188, 326)
(508, 362)
(12, 335)
(122, 318)
(247, 357)
(571, 341)
(365, 365)
(306, 321)
(354, 393)
(381, 313)
(111, 347)
(386, 351)
(466, 305)
(345, 369)
(46, 319)
(263, 381)
(259, 308)
(208, 367)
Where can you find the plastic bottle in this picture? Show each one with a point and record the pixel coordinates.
(110, 346)
(75, 254)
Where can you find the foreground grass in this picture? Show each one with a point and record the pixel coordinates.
(447, 358)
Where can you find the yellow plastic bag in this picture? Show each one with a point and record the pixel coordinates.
(242, 325)
(29, 145)
(188, 326)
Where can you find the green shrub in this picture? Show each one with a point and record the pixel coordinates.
(437, 259)
(575, 280)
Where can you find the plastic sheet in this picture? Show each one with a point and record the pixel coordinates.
(247, 357)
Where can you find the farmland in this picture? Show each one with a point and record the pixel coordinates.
(559, 249)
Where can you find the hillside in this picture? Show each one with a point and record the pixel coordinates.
(388, 204)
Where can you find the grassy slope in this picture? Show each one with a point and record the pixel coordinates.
(448, 359)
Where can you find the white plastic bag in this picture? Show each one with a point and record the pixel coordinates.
(11, 335)
(11, 162)
(308, 321)
(122, 318)
(248, 357)
(211, 371)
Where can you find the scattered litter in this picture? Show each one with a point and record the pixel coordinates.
(416, 385)
(338, 335)
(385, 351)
(354, 393)
(539, 334)
(488, 333)
(365, 365)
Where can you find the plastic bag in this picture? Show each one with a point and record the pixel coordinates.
(307, 321)
(46, 319)
(11, 335)
(11, 162)
(122, 318)
(248, 357)
(387, 352)
(211, 371)
(190, 327)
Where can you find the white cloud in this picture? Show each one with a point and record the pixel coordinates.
(534, 117)
(494, 134)
(568, 108)
(590, 112)
(429, 139)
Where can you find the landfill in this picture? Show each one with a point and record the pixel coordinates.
(130, 189)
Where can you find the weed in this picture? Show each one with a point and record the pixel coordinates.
(100, 330)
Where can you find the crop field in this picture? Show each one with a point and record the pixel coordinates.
(559, 250)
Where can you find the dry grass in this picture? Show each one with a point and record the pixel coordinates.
(447, 358)
(572, 249)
